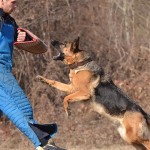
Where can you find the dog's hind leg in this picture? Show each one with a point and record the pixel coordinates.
(77, 96)
(136, 129)
(122, 132)
(139, 146)
(147, 144)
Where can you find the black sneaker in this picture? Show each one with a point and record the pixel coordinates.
(52, 147)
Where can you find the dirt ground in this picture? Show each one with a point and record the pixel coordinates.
(105, 28)
(83, 130)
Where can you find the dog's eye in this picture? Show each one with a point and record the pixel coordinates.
(65, 44)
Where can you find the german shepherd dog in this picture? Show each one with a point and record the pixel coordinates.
(89, 81)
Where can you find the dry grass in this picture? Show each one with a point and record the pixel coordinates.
(117, 32)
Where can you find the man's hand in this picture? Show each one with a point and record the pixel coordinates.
(21, 36)
(1, 3)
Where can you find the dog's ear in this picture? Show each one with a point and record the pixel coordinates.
(75, 45)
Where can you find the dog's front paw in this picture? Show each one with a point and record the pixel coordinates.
(44, 80)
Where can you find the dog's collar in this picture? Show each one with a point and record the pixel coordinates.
(77, 64)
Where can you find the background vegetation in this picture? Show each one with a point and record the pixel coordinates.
(116, 32)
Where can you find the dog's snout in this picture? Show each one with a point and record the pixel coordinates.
(55, 43)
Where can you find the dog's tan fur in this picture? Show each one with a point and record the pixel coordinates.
(83, 81)
(133, 127)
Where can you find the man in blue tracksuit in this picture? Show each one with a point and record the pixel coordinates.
(13, 101)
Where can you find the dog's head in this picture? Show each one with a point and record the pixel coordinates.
(67, 50)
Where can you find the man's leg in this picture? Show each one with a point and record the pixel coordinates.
(19, 98)
(10, 109)
(12, 88)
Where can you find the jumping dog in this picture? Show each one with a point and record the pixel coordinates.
(89, 81)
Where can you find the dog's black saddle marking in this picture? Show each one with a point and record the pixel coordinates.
(114, 100)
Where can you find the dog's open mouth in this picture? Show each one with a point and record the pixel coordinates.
(59, 55)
